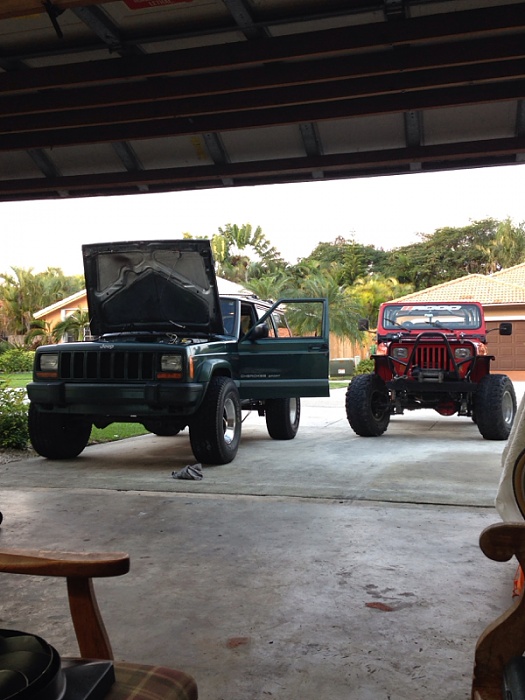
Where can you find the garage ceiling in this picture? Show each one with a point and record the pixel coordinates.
(130, 96)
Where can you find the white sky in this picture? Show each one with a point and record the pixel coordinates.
(386, 212)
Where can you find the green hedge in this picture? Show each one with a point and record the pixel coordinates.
(16, 360)
(365, 367)
(13, 418)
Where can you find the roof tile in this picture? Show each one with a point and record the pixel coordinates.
(487, 289)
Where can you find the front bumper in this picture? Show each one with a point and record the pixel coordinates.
(151, 398)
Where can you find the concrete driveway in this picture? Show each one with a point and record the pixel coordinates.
(328, 566)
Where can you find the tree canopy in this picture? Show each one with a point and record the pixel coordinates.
(482, 247)
(23, 292)
(355, 278)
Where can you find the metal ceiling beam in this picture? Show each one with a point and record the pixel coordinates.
(359, 164)
(48, 168)
(218, 153)
(263, 117)
(313, 145)
(244, 20)
(44, 163)
(127, 155)
(311, 139)
(100, 24)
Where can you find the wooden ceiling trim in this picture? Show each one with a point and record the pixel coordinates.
(10, 9)
(397, 64)
(347, 40)
(321, 92)
(152, 128)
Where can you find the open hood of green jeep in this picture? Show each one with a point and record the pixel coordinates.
(157, 286)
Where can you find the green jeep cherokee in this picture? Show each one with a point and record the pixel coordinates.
(169, 352)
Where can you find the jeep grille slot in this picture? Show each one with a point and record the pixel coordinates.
(431, 357)
(107, 365)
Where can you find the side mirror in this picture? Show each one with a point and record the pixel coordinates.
(257, 332)
(363, 324)
(505, 328)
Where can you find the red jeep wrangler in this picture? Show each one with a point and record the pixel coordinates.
(432, 355)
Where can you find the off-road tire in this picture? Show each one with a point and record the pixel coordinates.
(495, 406)
(282, 417)
(215, 430)
(56, 435)
(164, 428)
(367, 405)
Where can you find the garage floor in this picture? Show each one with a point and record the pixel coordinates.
(276, 583)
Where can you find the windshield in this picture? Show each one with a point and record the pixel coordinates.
(425, 316)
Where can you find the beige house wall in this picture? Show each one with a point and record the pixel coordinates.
(504, 312)
(56, 313)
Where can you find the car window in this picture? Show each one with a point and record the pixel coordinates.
(298, 318)
(283, 329)
(248, 318)
(229, 315)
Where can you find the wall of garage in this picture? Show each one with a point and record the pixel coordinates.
(509, 350)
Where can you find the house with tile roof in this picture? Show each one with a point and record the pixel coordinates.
(502, 295)
(78, 302)
(60, 310)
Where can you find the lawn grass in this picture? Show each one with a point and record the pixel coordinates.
(18, 380)
(116, 431)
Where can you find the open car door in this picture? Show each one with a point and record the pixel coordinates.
(285, 352)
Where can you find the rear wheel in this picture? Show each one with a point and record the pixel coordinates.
(282, 418)
(368, 405)
(215, 430)
(57, 436)
(495, 406)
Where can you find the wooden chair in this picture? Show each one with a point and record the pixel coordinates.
(503, 641)
(135, 681)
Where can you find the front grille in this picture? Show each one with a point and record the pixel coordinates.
(107, 365)
(432, 357)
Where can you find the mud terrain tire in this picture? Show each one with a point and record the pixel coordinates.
(495, 406)
(367, 405)
(215, 430)
(282, 418)
(57, 436)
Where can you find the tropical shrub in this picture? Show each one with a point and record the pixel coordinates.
(16, 360)
(13, 418)
(365, 367)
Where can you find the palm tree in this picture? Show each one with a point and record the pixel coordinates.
(508, 246)
(73, 325)
(370, 292)
(40, 333)
(271, 286)
(344, 311)
(229, 248)
(23, 292)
